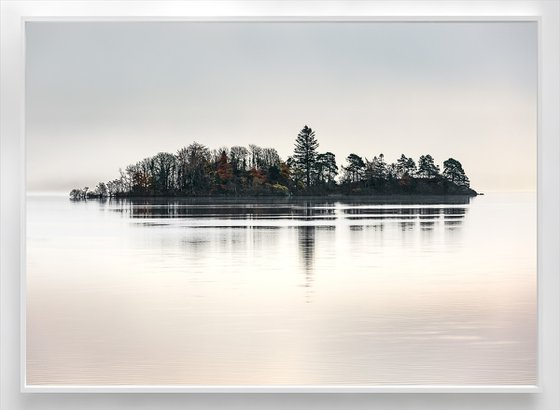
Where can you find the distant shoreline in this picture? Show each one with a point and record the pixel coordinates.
(410, 187)
(383, 199)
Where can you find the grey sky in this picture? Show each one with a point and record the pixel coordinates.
(103, 95)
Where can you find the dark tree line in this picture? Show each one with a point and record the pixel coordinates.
(196, 170)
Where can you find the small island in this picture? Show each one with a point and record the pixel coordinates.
(197, 171)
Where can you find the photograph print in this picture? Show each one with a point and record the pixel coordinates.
(253, 203)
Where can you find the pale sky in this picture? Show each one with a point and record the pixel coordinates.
(100, 96)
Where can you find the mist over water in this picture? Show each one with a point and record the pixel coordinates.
(353, 291)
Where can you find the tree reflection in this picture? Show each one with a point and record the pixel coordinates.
(306, 242)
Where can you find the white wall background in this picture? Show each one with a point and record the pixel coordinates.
(12, 188)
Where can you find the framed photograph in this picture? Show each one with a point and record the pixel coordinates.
(244, 203)
(271, 202)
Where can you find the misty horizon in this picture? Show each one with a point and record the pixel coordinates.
(339, 177)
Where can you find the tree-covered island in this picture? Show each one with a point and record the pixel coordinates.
(197, 171)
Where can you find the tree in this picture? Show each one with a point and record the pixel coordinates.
(114, 188)
(269, 158)
(101, 190)
(197, 178)
(392, 171)
(405, 166)
(125, 179)
(355, 169)
(295, 172)
(76, 194)
(223, 169)
(182, 158)
(285, 172)
(255, 153)
(273, 174)
(239, 158)
(426, 167)
(257, 177)
(376, 168)
(326, 168)
(141, 176)
(305, 153)
(453, 171)
(164, 172)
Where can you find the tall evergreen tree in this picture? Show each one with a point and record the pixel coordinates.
(305, 153)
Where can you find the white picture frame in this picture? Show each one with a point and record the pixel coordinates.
(14, 16)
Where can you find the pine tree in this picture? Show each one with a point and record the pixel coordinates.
(305, 153)
(426, 167)
(453, 171)
(405, 166)
(355, 169)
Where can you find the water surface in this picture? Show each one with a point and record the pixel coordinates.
(282, 292)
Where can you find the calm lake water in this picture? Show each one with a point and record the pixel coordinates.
(282, 292)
